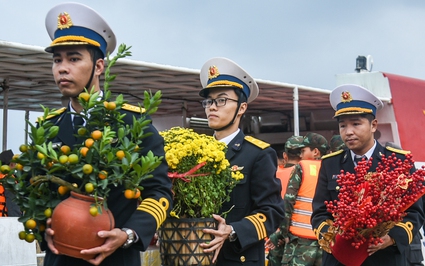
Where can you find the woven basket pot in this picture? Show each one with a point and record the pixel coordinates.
(180, 239)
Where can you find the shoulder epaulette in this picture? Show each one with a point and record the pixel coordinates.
(52, 114)
(133, 108)
(259, 143)
(332, 154)
(397, 150)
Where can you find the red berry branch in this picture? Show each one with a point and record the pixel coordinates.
(371, 203)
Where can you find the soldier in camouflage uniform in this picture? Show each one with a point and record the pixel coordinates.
(301, 246)
(292, 154)
(336, 143)
(293, 150)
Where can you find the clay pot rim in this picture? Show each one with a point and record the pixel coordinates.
(85, 197)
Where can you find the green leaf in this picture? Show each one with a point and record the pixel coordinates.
(40, 138)
(112, 78)
(41, 149)
(121, 133)
(53, 132)
(52, 152)
(152, 110)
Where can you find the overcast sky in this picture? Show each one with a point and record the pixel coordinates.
(300, 42)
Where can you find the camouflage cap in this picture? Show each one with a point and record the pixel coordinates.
(315, 140)
(293, 143)
(336, 143)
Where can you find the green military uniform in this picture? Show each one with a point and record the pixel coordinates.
(275, 255)
(292, 145)
(299, 251)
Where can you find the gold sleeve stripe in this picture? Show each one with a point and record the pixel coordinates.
(319, 229)
(258, 221)
(408, 227)
(315, 233)
(158, 209)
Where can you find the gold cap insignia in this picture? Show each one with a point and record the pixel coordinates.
(346, 97)
(213, 72)
(64, 21)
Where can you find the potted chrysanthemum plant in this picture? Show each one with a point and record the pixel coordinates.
(202, 180)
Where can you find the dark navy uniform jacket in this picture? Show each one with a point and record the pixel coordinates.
(326, 190)
(258, 206)
(127, 213)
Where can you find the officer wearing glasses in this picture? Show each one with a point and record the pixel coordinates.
(218, 102)
(256, 205)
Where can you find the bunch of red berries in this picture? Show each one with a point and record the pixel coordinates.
(370, 204)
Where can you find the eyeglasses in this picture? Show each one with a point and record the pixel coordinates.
(218, 102)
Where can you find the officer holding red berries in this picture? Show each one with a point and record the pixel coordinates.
(356, 109)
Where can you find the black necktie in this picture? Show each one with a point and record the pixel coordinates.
(358, 158)
(77, 121)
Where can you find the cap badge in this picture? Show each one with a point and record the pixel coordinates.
(346, 97)
(64, 21)
(213, 72)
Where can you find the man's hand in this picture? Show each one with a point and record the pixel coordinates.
(48, 237)
(220, 235)
(269, 245)
(386, 242)
(114, 240)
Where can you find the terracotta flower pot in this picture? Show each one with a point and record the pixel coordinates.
(348, 255)
(76, 229)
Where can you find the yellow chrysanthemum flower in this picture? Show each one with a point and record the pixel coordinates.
(201, 159)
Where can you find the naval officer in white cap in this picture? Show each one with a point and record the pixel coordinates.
(355, 110)
(256, 205)
(81, 39)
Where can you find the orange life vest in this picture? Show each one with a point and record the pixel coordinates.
(3, 210)
(303, 208)
(284, 174)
